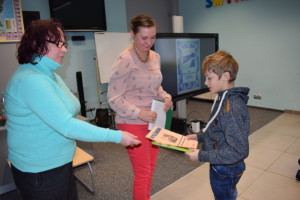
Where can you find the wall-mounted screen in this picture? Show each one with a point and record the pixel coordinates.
(181, 59)
(79, 15)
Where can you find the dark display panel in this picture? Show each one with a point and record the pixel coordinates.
(181, 59)
(79, 14)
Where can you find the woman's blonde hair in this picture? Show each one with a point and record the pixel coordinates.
(141, 20)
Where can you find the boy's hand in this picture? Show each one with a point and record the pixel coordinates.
(193, 155)
(192, 137)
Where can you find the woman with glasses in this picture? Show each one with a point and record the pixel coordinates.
(42, 125)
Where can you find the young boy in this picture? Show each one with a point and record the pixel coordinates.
(225, 138)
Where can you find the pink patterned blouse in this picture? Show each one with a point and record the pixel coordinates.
(133, 85)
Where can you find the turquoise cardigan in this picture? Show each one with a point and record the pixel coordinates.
(42, 125)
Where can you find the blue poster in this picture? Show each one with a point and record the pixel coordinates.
(188, 65)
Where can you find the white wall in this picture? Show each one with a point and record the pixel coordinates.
(80, 56)
(263, 35)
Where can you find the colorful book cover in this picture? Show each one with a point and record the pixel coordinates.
(172, 147)
(171, 139)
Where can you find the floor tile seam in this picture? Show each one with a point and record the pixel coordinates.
(293, 154)
(201, 178)
(292, 135)
(281, 156)
(287, 150)
(290, 153)
(291, 140)
(259, 176)
(269, 165)
(282, 175)
(274, 161)
(268, 147)
(188, 174)
(252, 182)
(257, 167)
(272, 132)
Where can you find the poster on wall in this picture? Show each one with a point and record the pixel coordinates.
(188, 65)
(11, 22)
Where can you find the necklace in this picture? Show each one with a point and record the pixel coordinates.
(139, 57)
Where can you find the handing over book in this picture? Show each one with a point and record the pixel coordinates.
(163, 136)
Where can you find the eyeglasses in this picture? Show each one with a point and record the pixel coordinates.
(59, 43)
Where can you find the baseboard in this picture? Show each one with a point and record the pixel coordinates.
(263, 108)
(294, 112)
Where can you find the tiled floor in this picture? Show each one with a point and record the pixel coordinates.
(271, 167)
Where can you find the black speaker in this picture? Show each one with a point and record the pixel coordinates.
(78, 38)
(179, 125)
(102, 117)
(29, 16)
(81, 93)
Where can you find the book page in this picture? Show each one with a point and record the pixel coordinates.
(163, 136)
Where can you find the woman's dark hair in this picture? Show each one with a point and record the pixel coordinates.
(142, 20)
(34, 41)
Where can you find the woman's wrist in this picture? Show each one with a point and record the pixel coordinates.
(166, 99)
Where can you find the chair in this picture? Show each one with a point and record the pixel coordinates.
(80, 158)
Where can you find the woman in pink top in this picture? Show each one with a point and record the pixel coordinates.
(135, 81)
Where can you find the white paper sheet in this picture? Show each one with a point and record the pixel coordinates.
(158, 107)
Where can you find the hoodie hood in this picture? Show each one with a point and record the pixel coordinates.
(238, 92)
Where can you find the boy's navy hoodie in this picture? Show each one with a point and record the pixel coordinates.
(225, 137)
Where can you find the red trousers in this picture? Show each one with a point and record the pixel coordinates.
(143, 161)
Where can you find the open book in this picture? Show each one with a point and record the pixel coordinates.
(169, 139)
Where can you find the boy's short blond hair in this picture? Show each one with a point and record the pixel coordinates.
(220, 62)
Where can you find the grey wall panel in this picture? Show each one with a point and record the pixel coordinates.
(8, 62)
(160, 10)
